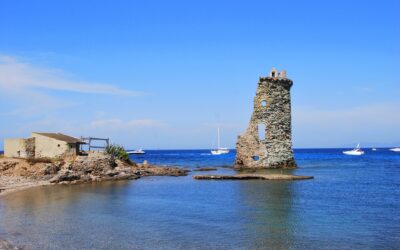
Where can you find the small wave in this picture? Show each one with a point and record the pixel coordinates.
(205, 154)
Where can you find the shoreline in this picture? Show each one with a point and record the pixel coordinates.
(21, 174)
(12, 188)
(17, 175)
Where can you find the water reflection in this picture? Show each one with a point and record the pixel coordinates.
(268, 208)
(50, 209)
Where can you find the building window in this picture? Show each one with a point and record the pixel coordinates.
(58, 145)
(261, 131)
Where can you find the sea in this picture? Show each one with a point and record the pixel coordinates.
(353, 202)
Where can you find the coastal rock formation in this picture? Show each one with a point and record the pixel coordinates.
(206, 169)
(253, 177)
(20, 173)
(267, 142)
(4, 245)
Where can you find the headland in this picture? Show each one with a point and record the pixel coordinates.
(17, 173)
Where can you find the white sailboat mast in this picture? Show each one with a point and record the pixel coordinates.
(219, 146)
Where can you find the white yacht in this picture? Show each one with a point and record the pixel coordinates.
(395, 149)
(219, 150)
(356, 151)
(136, 152)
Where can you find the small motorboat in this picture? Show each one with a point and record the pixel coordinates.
(136, 152)
(374, 149)
(395, 149)
(356, 151)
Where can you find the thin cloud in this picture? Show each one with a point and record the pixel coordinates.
(374, 114)
(16, 75)
(346, 126)
(116, 123)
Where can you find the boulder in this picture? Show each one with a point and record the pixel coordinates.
(65, 176)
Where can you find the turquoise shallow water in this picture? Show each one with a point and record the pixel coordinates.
(353, 202)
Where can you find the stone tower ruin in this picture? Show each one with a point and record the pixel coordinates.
(267, 142)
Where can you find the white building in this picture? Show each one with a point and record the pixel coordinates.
(42, 145)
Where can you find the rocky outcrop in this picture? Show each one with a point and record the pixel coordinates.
(6, 164)
(267, 142)
(205, 169)
(98, 167)
(20, 173)
(253, 177)
(151, 170)
(4, 245)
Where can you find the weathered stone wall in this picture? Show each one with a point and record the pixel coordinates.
(271, 109)
(14, 147)
(30, 147)
(19, 147)
(49, 147)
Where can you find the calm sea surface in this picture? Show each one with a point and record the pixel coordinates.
(353, 202)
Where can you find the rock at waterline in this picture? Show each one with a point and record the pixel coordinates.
(205, 169)
(253, 177)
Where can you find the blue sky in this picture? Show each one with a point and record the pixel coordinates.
(165, 74)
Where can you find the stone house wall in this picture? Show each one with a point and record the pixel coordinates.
(19, 147)
(50, 147)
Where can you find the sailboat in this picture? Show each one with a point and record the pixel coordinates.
(219, 150)
(356, 151)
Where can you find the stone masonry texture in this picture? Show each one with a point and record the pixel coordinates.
(271, 147)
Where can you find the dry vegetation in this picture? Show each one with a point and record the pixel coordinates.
(39, 160)
(33, 161)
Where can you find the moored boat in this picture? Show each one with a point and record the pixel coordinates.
(219, 150)
(355, 151)
(137, 152)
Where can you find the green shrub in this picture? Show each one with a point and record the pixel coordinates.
(118, 152)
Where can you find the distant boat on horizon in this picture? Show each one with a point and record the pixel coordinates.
(395, 149)
(219, 150)
(355, 151)
(373, 149)
(136, 152)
